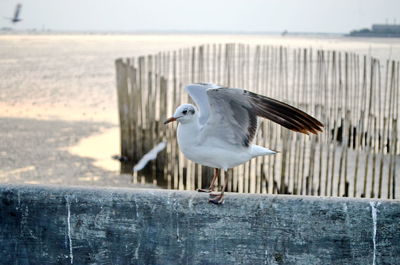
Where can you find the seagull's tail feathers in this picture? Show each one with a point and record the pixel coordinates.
(257, 150)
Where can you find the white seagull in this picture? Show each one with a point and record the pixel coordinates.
(219, 132)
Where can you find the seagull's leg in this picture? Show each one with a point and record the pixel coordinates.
(219, 198)
(212, 183)
(215, 177)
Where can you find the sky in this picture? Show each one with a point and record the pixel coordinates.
(330, 16)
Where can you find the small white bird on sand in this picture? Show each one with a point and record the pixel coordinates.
(219, 133)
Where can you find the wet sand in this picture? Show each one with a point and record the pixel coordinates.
(37, 152)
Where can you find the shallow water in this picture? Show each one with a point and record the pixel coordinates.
(73, 76)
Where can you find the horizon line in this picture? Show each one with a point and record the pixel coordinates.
(170, 31)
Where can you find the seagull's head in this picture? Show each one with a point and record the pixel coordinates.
(183, 114)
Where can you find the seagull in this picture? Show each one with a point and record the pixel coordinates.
(16, 18)
(219, 131)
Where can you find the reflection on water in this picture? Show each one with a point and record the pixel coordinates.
(100, 147)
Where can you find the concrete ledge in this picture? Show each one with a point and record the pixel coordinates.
(65, 225)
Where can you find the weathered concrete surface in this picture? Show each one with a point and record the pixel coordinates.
(64, 225)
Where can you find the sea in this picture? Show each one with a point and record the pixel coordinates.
(72, 76)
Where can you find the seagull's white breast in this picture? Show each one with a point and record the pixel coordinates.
(210, 152)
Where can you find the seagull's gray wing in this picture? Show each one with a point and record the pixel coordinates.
(232, 114)
(17, 11)
(231, 117)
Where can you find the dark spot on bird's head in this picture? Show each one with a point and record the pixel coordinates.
(187, 109)
(184, 113)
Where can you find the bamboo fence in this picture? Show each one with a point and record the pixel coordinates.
(356, 97)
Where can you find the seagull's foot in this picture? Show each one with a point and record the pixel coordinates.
(217, 198)
(204, 190)
(210, 189)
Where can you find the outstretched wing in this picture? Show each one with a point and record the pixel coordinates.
(17, 11)
(284, 114)
(231, 114)
(198, 92)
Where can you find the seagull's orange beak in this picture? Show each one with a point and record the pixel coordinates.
(169, 120)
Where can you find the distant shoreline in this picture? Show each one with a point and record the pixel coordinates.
(373, 35)
(378, 31)
(6, 31)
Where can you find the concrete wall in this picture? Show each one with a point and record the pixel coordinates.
(64, 225)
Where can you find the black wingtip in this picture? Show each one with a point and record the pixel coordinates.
(286, 115)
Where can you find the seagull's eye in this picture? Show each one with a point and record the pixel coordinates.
(184, 112)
